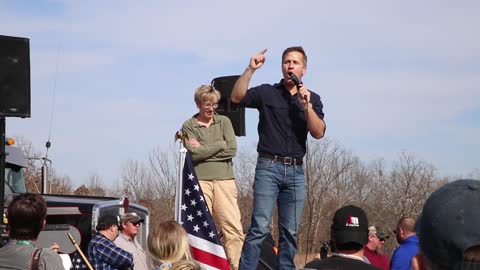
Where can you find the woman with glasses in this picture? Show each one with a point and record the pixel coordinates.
(210, 139)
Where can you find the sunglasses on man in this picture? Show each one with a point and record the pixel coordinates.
(381, 239)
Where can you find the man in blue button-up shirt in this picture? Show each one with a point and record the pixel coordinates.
(408, 240)
(102, 252)
(288, 111)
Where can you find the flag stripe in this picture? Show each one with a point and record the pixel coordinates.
(198, 242)
(210, 259)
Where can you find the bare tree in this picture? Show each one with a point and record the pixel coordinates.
(400, 192)
(136, 180)
(475, 174)
(32, 173)
(95, 185)
(409, 185)
(60, 185)
(331, 182)
(164, 166)
(81, 191)
(244, 166)
(335, 177)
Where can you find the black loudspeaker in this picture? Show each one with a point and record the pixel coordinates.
(14, 76)
(233, 111)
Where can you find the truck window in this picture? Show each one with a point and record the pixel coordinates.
(14, 179)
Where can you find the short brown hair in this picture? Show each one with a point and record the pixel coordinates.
(407, 224)
(295, 49)
(26, 214)
(105, 222)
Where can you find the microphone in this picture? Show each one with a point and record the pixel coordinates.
(295, 80)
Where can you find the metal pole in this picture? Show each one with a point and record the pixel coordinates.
(79, 251)
(44, 180)
(2, 169)
(46, 183)
(178, 193)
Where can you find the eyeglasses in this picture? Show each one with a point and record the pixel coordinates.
(210, 105)
(136, 223)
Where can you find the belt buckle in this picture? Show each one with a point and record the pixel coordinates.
(288, 160)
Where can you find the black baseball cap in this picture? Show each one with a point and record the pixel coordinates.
(350, 225)
(450, 224)
(106, 221)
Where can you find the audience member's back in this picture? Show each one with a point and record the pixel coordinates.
(349, 232)
(449, 227)
(26, 218)
(167, 244)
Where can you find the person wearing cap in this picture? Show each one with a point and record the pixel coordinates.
(103, 254)
(373, 249)
(408, 240)
(448, 227)
(349, 233)
(129, 228)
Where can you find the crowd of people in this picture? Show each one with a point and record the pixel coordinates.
(113, 246)
(445, 236)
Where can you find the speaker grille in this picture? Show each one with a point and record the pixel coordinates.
(14, 76)
(233, 111)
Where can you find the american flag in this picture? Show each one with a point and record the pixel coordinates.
(77, 262)
(197, 221)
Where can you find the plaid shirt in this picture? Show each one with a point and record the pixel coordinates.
(105, 255)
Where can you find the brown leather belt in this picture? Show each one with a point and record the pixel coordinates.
(284, 160)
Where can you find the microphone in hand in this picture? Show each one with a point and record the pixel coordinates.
(296, 81)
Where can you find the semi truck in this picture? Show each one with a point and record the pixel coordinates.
(74, 214)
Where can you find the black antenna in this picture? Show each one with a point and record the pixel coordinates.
(46, 185)
(48, 144)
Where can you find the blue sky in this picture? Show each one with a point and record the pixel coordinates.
(393, 75)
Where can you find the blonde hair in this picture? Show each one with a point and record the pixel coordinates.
(206, 93)
(168, 243)
(187, 265)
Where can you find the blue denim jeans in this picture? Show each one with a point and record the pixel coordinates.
(285, 185)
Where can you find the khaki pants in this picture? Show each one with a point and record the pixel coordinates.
(221, 198)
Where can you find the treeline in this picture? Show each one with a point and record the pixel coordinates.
(334, 177)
